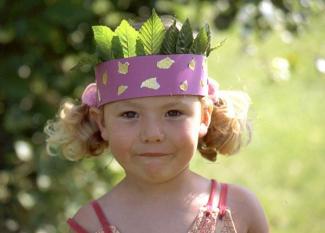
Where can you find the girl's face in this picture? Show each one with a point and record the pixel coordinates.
(154, 138)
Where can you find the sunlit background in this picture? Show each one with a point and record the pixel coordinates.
(274, 50)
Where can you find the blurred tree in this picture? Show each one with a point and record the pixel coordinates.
(40, 41)
(259, 16)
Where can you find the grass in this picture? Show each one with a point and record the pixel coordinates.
(284, 164)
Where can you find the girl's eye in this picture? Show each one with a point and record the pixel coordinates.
(174, 113)
(129, 114)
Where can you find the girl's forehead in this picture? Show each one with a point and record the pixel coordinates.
(157, 101)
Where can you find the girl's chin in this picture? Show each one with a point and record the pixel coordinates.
(156, 174)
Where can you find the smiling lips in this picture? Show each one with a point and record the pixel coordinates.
(153, 155)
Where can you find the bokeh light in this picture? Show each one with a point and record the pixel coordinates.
(23, 150)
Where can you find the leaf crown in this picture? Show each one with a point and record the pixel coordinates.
(152, 38)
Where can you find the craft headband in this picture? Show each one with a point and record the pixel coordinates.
(181, 69)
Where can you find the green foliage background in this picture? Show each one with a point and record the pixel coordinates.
(273, 59)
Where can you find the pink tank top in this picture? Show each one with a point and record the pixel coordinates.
(208, 220)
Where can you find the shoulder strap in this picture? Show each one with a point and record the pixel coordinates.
(100, 215)
(212, 194)
(75, 226)
(223, 200)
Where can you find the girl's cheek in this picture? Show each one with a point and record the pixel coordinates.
(183, 126)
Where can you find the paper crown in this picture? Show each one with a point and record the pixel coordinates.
(155, 75)
(150, 62)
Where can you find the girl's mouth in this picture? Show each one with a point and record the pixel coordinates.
(153, 154)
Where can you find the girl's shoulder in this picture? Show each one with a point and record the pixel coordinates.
(246, 209)
(86, 217)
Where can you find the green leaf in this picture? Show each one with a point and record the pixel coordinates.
(140, 48)
(103, 36)
(117, 50)
(86, 60)
(185, 38)
(216, 47)
(128, 36)
(169, 43)
(207, 28)
(152, 34)
(201, 42)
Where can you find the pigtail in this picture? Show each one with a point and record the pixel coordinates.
(73, 133)
(228, 125)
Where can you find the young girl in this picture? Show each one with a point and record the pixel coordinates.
(153, 106)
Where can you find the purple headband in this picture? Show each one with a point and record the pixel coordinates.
(153, 75)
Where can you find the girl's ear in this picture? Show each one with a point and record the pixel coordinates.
(98, 116)
(207, 109)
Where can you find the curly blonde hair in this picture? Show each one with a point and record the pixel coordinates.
(75, 135)
(228, 127)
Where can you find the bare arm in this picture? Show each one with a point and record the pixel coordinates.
(258, 222)
(248, 213)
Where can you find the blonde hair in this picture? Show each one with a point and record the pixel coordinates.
(75, 135)
(228, 126)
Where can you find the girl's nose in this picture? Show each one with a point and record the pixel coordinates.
(152, 132)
